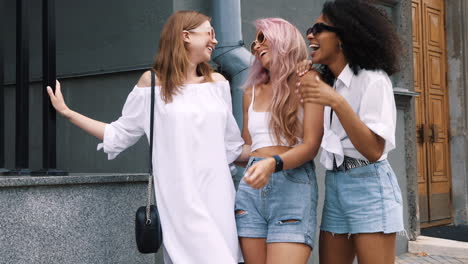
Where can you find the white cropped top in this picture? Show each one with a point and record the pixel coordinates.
(259, 128)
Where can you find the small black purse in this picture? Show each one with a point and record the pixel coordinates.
(148, 232)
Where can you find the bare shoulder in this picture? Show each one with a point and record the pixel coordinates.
(145, 80)
(217, 77)
(247, 96)
(310, 76)
(248, 91)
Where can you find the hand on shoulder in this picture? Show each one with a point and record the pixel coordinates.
(310, 76)
(145, 80)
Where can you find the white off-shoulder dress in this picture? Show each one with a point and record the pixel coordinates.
(195, 138)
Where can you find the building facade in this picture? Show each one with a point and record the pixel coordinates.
(103, 47)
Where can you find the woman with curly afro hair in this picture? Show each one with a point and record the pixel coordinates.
(357, 49)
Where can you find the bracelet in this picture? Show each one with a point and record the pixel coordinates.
(279, 163)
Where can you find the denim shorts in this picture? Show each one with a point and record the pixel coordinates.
(284, 210)
(362, 200)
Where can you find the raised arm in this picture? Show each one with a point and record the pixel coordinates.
(313, 132)
(366, 141)
(120, 134)
(93, 127)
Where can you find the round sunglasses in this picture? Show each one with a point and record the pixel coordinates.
(320, 27)
(259, 39)
(210, 31)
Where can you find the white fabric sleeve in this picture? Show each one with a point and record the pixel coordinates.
(378, 111)
(232, 138)
(125, 131)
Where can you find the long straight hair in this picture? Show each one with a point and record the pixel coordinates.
(286, 48)
(172, 59)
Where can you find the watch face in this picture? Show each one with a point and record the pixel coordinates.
(279, 163)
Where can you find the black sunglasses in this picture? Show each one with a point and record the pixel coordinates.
(320, 27)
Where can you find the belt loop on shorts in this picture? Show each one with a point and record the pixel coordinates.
(250, 162)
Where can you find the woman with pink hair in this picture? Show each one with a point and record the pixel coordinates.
(277, 197)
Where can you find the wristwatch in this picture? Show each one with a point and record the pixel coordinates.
(279, 163)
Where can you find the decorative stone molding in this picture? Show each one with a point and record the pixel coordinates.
(403, 97)
(390, 3)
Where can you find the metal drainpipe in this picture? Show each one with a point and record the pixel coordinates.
(231, 56)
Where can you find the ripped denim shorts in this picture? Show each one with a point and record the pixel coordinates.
(284, 210)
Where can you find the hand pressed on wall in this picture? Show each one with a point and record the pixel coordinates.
(57, 99)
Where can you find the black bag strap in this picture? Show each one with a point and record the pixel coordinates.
(150, 166)
(151, 123)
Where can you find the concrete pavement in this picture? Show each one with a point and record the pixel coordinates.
(411, 258)
(431, 250)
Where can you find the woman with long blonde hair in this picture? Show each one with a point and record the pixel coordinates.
(196, 137)
(277, 197)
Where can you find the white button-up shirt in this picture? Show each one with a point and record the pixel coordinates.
(370, 95)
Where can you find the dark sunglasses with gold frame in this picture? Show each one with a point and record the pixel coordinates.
(320, 27)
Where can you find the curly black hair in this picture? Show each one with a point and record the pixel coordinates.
(369, 40)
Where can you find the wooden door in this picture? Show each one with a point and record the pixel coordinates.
(432, 116)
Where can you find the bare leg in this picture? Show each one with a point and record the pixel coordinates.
(336, 249)
(254, 250)
(375, 248)
(291, 253)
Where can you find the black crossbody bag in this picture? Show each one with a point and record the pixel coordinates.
(148, 232)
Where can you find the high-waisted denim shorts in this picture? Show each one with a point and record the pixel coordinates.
(363, 200)
(284, 210)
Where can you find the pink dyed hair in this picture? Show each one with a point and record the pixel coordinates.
(286, 48)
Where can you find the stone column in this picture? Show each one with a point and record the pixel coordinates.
(457, 59)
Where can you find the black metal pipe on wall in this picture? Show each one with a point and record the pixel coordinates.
(2, 91)
(22, 88)
(49, 76)
(2, 107)
(49, 147)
